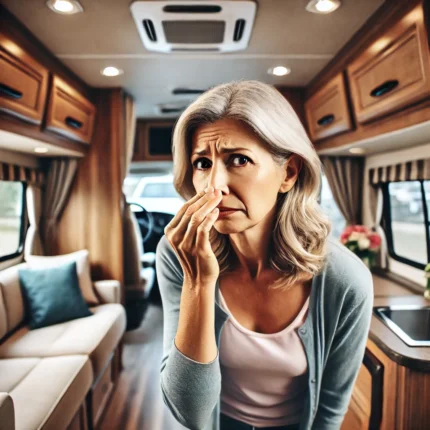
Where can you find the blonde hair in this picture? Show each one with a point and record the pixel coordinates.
(298, 244)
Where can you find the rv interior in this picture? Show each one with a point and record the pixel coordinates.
(90, 92)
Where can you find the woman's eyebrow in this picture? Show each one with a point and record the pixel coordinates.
(223, 151)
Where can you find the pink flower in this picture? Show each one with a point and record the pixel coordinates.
(361, 229)
(375, 241)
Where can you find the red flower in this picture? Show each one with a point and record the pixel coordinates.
(375, 241)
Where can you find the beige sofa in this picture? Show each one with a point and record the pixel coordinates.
(61, 376)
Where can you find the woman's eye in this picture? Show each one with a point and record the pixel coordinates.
(243, 162)
(237, 157)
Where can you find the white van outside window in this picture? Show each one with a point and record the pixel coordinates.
(154, 193)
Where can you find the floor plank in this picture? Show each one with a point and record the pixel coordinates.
(137, 403)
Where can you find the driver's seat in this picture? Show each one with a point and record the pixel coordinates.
(139, 270)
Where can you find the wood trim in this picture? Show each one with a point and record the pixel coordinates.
(29, 78)
(64, 100)
(141, 149)
(296, 97)
(375, 26)
(92, 218)
(413, 393)
(376, 370)
(412, 115)
(388, 421)
(15, 125)
(20, 34)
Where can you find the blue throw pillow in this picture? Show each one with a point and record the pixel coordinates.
(52, 295)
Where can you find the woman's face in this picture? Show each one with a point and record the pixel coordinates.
(234, 160)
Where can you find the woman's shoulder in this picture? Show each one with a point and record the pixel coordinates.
(345, 273)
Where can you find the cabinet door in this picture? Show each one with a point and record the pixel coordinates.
(365, 409)
(327, 111)
(393, 72)
(69, 113)
(23, 82)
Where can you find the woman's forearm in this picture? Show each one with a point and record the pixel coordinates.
(195, 337)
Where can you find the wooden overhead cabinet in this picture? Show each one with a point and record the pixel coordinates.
(23, 82)
(393, 72)
(327, 111)
(69, 113)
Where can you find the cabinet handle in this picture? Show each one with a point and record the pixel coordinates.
(8, 91)
(385, 88)
(326, 120)
(74, 123)
(376, 370)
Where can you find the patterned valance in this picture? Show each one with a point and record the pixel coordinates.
(11, 172)
(409, 171)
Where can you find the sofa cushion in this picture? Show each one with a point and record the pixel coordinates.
(12, 297)
(82, 265)
(52, 295)
(46, 392)
(96, 336)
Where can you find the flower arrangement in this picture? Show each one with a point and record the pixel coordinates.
(362, 241)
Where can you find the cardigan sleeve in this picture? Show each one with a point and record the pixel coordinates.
(345, 357)
(190, 389)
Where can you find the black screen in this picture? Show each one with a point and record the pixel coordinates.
(160, 140)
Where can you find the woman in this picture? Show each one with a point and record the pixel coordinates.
(265, 318)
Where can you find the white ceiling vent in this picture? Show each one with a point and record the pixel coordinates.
(194, 26)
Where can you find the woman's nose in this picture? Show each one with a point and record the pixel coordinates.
(218, 178)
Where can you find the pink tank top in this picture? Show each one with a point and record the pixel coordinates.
(264, 376)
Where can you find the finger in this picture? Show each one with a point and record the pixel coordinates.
(177, 218)
(181, 227)
(203, 245)
(189, 237)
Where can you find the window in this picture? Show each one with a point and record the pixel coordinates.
(130, 184)
(12, 210)
(406, 221)
(329, 206)
(159, 190)
(154, 193)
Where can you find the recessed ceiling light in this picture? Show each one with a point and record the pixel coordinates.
(41, 150)
(279, 71)
(111, 71)
(357, 150)
(322, 6)
(66, 7)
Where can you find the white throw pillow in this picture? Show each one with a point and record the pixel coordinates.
(82, 268)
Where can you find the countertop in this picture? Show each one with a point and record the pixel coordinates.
(388, 292)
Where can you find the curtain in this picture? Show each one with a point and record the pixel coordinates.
(376, 200)
(131, 237)
(345, 177)
(61, 174)
(33, 243)
(11, 172)
(409, 171)
(130, 133)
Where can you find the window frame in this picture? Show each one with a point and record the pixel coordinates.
(20, 250)
(387, 225)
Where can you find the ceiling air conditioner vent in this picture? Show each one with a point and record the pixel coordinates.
(150, 31)
(186, 91)
(192, 9)
(194, 26)
(171, 108)
(238, 30)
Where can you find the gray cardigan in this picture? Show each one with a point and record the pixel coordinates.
(334, 336)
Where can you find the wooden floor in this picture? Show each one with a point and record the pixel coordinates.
(137, 403)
